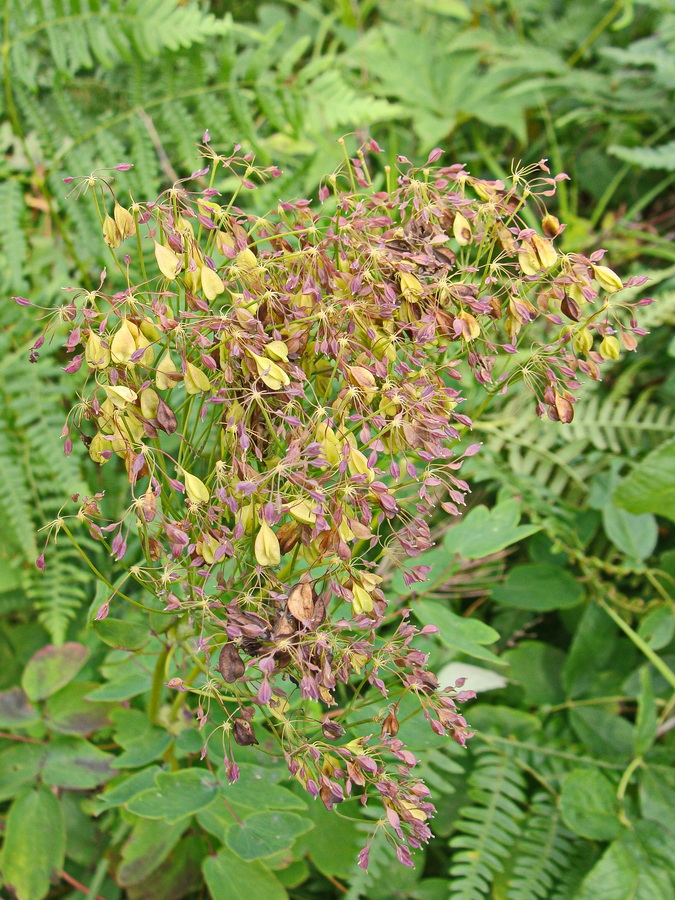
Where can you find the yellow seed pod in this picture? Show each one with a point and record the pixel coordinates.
(193, 280)
(99, 443)
(124, 221)
(167, 375)
(196, 490)
(224, 243)
(119, 395)
(123, 344)
(472, 325)
(370, 581)
(212, 283)
(207, 548)
(128, 430)
(195, 380)
(273, 375)
(277, 350)
(410, 285)
(150, 330)
(329, 442)
(583, 341)
(111, 233)
(97, 356)
(148, 357)
(302, 512)
(358, 464)
(363, 602)
(345, 531)
(278, 707)
(244, 516)
(610, 347)
(246, 259)
(608, 279)
(267, 550)
(538, 253)
(149, 403)
(168, 263)
(461, 228)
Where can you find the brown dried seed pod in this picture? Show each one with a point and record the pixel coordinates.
(284, 628)
(166, 420)
(243, 734)
(230, 664)
(301, 601)
(319, 616)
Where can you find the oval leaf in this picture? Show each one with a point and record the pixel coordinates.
(51, 668)
(589, 806)
(35, 843)
(539, 587)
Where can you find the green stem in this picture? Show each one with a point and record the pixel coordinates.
(157, 684)
(653, 658)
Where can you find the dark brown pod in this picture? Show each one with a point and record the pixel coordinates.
(570, 308)
(230, 664)
(331, 730)
(390, 725)
(165, 417)
(243, 734)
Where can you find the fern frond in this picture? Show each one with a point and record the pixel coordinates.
(543, 853)
(12, 238)
(488, 828)
(382, 859)
(619, 424)
(59, 591)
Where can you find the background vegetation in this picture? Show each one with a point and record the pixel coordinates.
(567, 791)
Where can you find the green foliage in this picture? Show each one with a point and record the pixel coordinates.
(567, 791)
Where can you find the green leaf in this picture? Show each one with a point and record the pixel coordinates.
(265, 833)
(230, 878)
(604, 733)
(636, 536)
(333, 844)
(657, 797)
(457, 632)
(646, 720)
(595, 640)
(539, 587)
(77, 764)
(589, 805)
(638, 866)
(123, 688)
(35, 844)
(175, 795)
(145, 749)
(148, 845)
(256, 790)
(122, 635)
(660, 157)
(19, 765)
(51, 668)
(179, 876)
(537, 668)
(123, 787)
(69, 712)
(15, 710)
(658, 627)
(483, 531)
(650, 487)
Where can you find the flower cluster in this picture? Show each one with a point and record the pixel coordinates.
(285, 395)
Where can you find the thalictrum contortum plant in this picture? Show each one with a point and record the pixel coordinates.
(285, 393)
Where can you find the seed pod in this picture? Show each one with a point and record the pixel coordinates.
(195, 488)
(390, 725)
(111, 233)
(166, 420)
(331, 730)
(243, 734)
(610, 347)
(550, 225)
(461, 228)
(167, 374)
(607, 278)
(301, 602)
(195, 380)
(212, 283)
(564, 408)
(284, 628)
(124, 221)
(267, 549)
(167, 261)
(319, 616)
(230, 664)
(570, 308)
